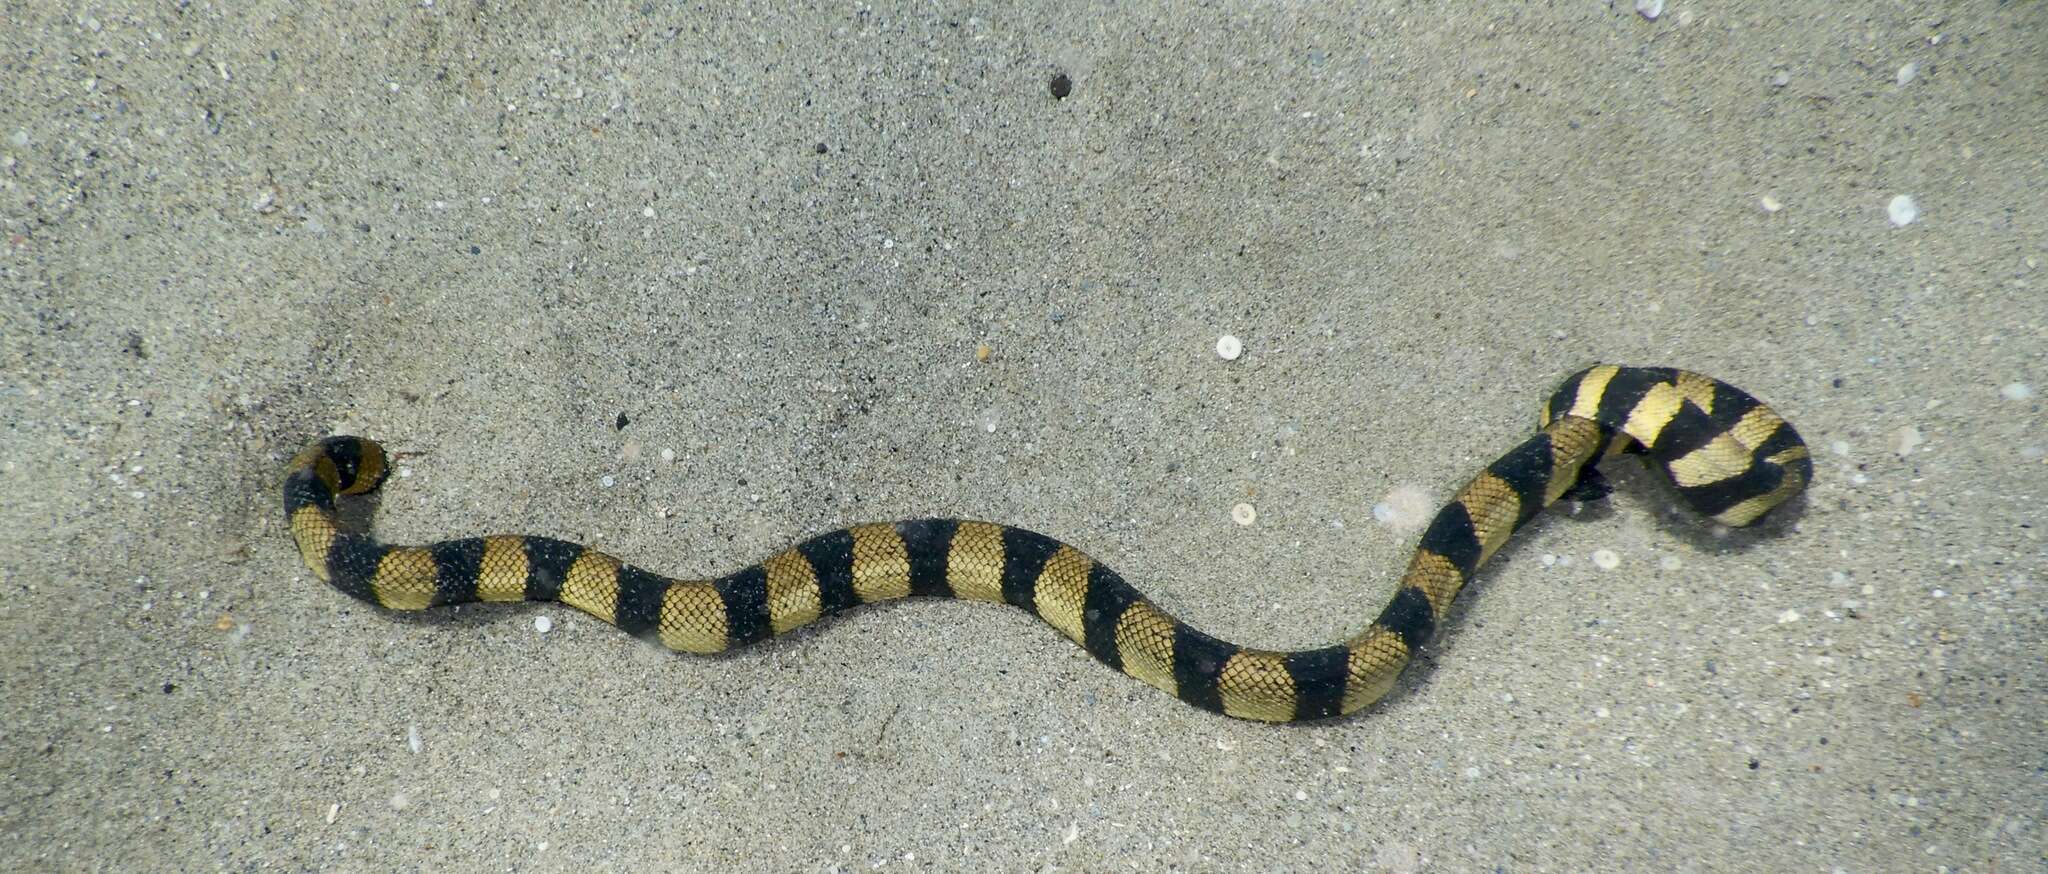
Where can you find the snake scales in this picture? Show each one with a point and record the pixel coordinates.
(1730, 457)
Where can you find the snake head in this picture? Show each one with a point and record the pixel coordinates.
(347, 465)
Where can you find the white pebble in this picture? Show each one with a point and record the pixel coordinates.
(1404, 509)
(412, 739)
(1839, 447)
(1781, 79)
(1905, 440)
(400, 801)
(2016, 391)
(1244, 514)
(1650, 9)
(1606, 560)
(1769, 203)
(1788, 617)
(1549, 559)
(543, 624)
(647, 213)
(607, 481)
(1907, 72)
(1228, 347)
(668, 455)
(1903, 210)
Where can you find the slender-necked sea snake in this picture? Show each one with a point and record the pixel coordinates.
(1730, 457)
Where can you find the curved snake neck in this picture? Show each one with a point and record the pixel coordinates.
(1731, 458)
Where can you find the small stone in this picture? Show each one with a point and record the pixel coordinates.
(1229, 347)
(1606, 559)
(1769, 203)
(1244, 514)
(1907, 72)
(1781, 79)
(1649, 9)
(543, 624)
(2016, 391)
(1788, 617)
(1903, 210)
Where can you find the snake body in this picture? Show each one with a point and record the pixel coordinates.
(1730, 457)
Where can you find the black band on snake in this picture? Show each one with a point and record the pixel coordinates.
(1730, 457)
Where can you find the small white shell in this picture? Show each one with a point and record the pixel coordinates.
(1244, 514)
(1228, 347)
(1902, 210)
